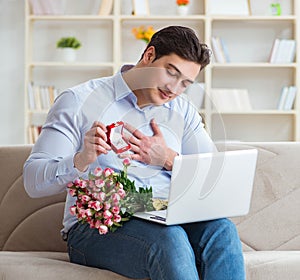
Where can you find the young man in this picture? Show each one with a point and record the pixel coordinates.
(161, 124)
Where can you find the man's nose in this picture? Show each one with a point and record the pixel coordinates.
(174, 88)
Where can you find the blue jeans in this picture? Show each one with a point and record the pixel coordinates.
(140, 249)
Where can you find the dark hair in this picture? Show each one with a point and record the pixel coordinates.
(181, 41)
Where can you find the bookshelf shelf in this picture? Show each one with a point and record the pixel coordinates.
(109, 43)
(258, 112)
(254, 65)
(42, 112)
(162, 18)
(71, 64)
(70, 18)
(254, 18)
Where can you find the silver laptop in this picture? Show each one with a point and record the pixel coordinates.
(208, 186)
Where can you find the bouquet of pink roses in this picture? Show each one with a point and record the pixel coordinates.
(108, 199)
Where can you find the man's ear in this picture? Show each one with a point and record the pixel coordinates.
(149, 55)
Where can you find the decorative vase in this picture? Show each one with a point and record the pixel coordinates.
(68, 54)
(182, 10)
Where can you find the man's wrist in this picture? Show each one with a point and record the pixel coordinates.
(170, 159)
(79, 163)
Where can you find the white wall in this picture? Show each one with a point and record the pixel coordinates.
(12, 59)
(11, 72)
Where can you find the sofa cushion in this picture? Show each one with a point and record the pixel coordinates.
(273, 222)
(48, 266)
(270, 265)
(27, 224)
(261, 265)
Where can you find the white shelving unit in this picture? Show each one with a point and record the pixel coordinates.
(108, 43)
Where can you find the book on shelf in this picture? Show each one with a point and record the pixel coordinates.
(220, 50)
(140, 7)
(283, 51)
(105, 8)
(287, 98)
(31, 102)
(196, 93)
(33, 133)
(36, 122)
(41, 97)
(231, 100)
(47, 7)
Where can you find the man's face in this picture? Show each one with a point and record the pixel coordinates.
(166, 78)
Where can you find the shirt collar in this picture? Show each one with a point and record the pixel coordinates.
(121, 87)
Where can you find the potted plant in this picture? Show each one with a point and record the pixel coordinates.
(182, 7)
(69, 45)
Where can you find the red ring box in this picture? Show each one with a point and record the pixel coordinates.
(115, 137)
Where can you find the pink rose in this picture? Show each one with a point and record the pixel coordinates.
(84, 184)
(96, 205)
(115, 210)
(89, 212)
(85, 198)
(79, 204)
(91, 183)
(81, 213)
(98, 171)
(73, 210)
(107, 214)
(77, 182)
(108, 171)
(126, 162)
(117, 218)
(81, 183)
(109, 182)
(121, 193)
(101, 196)
(99, 183)
(92, 223)
(94, 195)
(107, 206)
(108, 222)
(103, 229)
(72, 192)
(89, 220)
(115, 197)
(98, 224)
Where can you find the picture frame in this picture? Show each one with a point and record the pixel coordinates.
(230, 7)
(140, 8)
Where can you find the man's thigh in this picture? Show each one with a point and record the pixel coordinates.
(125, 251)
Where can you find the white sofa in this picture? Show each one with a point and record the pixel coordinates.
(270, 233)
(31, 247)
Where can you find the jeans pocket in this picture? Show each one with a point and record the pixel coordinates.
(76, 256)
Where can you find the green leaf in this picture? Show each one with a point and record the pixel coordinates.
(68, 42)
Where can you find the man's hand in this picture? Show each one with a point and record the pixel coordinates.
(151, 150)
(94, 145)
